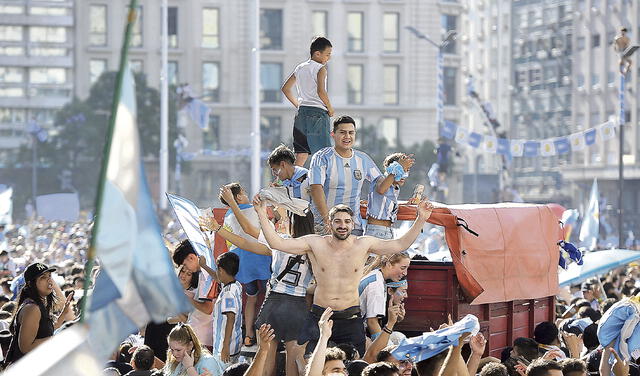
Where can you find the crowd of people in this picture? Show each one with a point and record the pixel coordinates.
(334, 281)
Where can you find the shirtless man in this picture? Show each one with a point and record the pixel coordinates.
(338, 261)
(620, 45)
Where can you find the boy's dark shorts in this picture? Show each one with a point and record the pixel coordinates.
(311, 130)
(348, 327)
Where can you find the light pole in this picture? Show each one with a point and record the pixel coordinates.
(38, 134)
(621, 122)
(448, 38)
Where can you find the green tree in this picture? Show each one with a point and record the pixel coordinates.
(378, 148)
(77, 141)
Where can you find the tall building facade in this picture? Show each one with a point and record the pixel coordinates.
(595, 99)
(541, 102)
(379, 73)
(36, 66)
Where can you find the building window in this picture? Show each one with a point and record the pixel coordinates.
(270, 81)
(98, 25)
(10, 33)
(271, 29)
(172, 26)
(355, 80)
(11, 9)
(270, 132)
(211, 135)
(580, 80)
(449, 23)
(43, 116)
(595, 40)
(11, 51)
(611, 78)
(11, 75)
(96, 68)
(391, 25)
(450, 86)
(355, 29)
(48, 34)
(210, 28)
(391, 84)
(47, 75)
(595, 79)
(49, 11)
(211, 82)
(390, 131)
(581, 42)
(172, 75)
(319, 22)
(12, 115)
(136, 66)
(136, 35)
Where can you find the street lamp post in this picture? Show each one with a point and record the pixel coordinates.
(448, 38)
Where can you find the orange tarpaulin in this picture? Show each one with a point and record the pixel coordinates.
(514, 255)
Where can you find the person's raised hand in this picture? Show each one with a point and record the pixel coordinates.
(477, 344)
(265, 336)
(402, 312)
(553, 355)
(208, 223)
(521, 369)
(406, 161)
(425, 207)
(187, 360)
(259, 206)
(393, 313)
(326, 324)
(620, 367)
(573, 342)
(227, 195)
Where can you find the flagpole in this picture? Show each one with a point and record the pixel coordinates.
(164, 110)
(255, 96)
(124, 52)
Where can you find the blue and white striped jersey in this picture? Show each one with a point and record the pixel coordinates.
(297, 279)
(229, 300)
(373, 295)
(342, 178)
(299, 183)
(383, 207)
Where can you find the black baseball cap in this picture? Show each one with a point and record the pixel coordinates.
(35, 270)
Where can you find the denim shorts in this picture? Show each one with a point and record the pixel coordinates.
(252, 288)
(378, 231)
(311, 130)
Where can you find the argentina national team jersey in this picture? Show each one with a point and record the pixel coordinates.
(342, 178)
(299, 183)
(373, 295)
(229, 300)
(296, 280)
(383, 207)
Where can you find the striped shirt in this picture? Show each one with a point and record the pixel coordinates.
(299, 183)
(373, 295)
(342, 179)
(296, 281)
(229, 300)
(383, 207)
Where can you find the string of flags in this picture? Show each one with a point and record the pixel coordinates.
(530, 148)
(246, 152)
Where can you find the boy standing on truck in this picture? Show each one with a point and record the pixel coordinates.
(312, 122)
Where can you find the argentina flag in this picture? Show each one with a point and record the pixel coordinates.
(137, 283)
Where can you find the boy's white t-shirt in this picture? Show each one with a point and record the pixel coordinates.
(306, 74)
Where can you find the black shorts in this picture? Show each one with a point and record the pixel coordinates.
(311, 130)
(287, 314)
(348, 327)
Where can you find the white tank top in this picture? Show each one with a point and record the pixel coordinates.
(307, 84)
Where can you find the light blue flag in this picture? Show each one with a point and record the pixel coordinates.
(475, 139)
(449, 129)
(199, 113)
(137, 282)
(591, 222)
(590, 136)
(531, 148)
(563, 146)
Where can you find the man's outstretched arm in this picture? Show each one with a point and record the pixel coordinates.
(298, 246)
(389, 247)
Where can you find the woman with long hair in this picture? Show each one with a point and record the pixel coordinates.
(187, 357)
(285, 307)
(200, 321)
(34, 321)
(373, 290)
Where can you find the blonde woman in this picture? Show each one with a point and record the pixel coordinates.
(187, 357)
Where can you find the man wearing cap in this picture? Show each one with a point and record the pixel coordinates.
(591, 293)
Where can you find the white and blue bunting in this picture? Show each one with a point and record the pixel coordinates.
(530, 148)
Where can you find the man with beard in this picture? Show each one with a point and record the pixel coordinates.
(338, 262)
